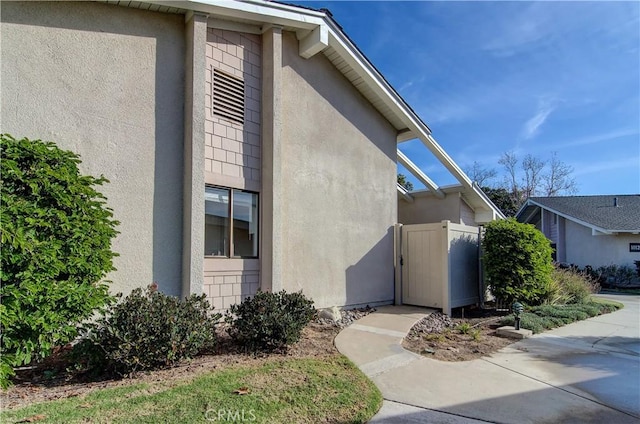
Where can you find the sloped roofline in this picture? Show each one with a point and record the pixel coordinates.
(316, 30)
(531, 202)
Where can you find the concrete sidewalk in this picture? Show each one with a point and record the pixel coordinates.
(586, 372)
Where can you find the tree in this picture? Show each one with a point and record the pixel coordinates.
(56, 249)
(532, 167)
(517, 261)
(558, 180)
(481, 175)
(402, 180)
(502, 198)
(521, 180)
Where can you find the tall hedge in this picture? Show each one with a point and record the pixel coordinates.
(517, 261)
(56, 249)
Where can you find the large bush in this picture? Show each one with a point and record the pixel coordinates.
(56, 249)
(148, 330)
(517, 261)
(269, 321)
(615, 275)
(568, 285)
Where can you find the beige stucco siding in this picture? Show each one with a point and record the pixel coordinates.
(339, 192)
(426, 209)
(583, 249)
(108, 83)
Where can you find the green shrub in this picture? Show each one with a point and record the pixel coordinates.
(148, 330)
(517, 261)
(615, 275)
(464, 328)
(56, 249)
(567, 285)
(269, 321)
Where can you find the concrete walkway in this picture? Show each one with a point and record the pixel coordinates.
(586, 372)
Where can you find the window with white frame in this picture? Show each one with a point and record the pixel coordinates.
(231, 223)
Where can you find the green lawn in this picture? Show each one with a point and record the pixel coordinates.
(287, 391)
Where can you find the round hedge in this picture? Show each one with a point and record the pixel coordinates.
(517, 261)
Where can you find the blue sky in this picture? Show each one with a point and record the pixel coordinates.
(526, 77)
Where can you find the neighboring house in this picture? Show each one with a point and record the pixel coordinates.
(248, 144)
(588, 230)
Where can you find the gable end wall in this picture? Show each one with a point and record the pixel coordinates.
(339, 186)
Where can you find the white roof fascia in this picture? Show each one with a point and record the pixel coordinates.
(405, 135)
(381, 87)
(314, 42)
(497, 213)
(528, 217)
(411, 167)
(233, 26)
(251, 10)
(304, 19)
(405, 194)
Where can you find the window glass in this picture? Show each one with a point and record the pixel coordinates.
(216, 235)
(245, 224)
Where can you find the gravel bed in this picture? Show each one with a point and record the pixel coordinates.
(348, 317)
(433, 323)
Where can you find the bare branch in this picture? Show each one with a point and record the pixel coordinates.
(509, 161)
(532, 168)
(558, 180)
(481, 175)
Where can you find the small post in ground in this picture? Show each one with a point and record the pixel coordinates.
(517, 309)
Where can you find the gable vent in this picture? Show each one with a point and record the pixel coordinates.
(228, 96)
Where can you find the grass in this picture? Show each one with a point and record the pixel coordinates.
(464, 328)
(546, 317)
(287, 391)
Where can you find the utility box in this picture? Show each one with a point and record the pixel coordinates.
(440, 265)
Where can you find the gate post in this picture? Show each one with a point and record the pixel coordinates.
(446, 267)
(397, 263)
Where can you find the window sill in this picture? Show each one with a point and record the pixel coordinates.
(222, 263)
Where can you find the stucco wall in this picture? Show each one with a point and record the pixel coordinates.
(584, 249)
(108, 83)
(427, 208)
(339, 200)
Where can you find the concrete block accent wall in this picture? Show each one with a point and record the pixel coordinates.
(467, 215)
(230, 283)
(233, 151)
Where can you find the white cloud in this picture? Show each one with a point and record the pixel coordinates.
(616, 164)
(598, 138)
(532, 126)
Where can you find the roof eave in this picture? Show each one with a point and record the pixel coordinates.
(323, 32)
(593, 227)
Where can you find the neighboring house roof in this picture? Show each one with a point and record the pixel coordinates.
(606, 213)
(318, 32)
